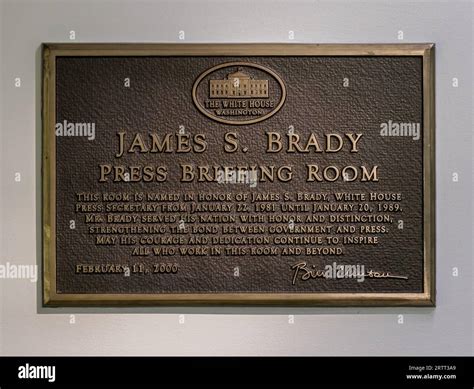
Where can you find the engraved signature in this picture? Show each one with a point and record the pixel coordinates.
(304, 272)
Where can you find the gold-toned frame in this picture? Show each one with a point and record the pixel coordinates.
(52, 298)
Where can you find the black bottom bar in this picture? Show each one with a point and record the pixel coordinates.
(312, 372)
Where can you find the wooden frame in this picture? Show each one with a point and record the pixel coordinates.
(51, 298)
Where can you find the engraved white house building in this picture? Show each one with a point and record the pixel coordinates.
(238, 85)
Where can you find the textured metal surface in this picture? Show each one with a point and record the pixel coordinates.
(159, 100)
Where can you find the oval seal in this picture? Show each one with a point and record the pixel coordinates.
(239, 93)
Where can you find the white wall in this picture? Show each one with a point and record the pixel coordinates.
(28, 329)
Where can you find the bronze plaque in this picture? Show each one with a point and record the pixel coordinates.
(238, 174)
